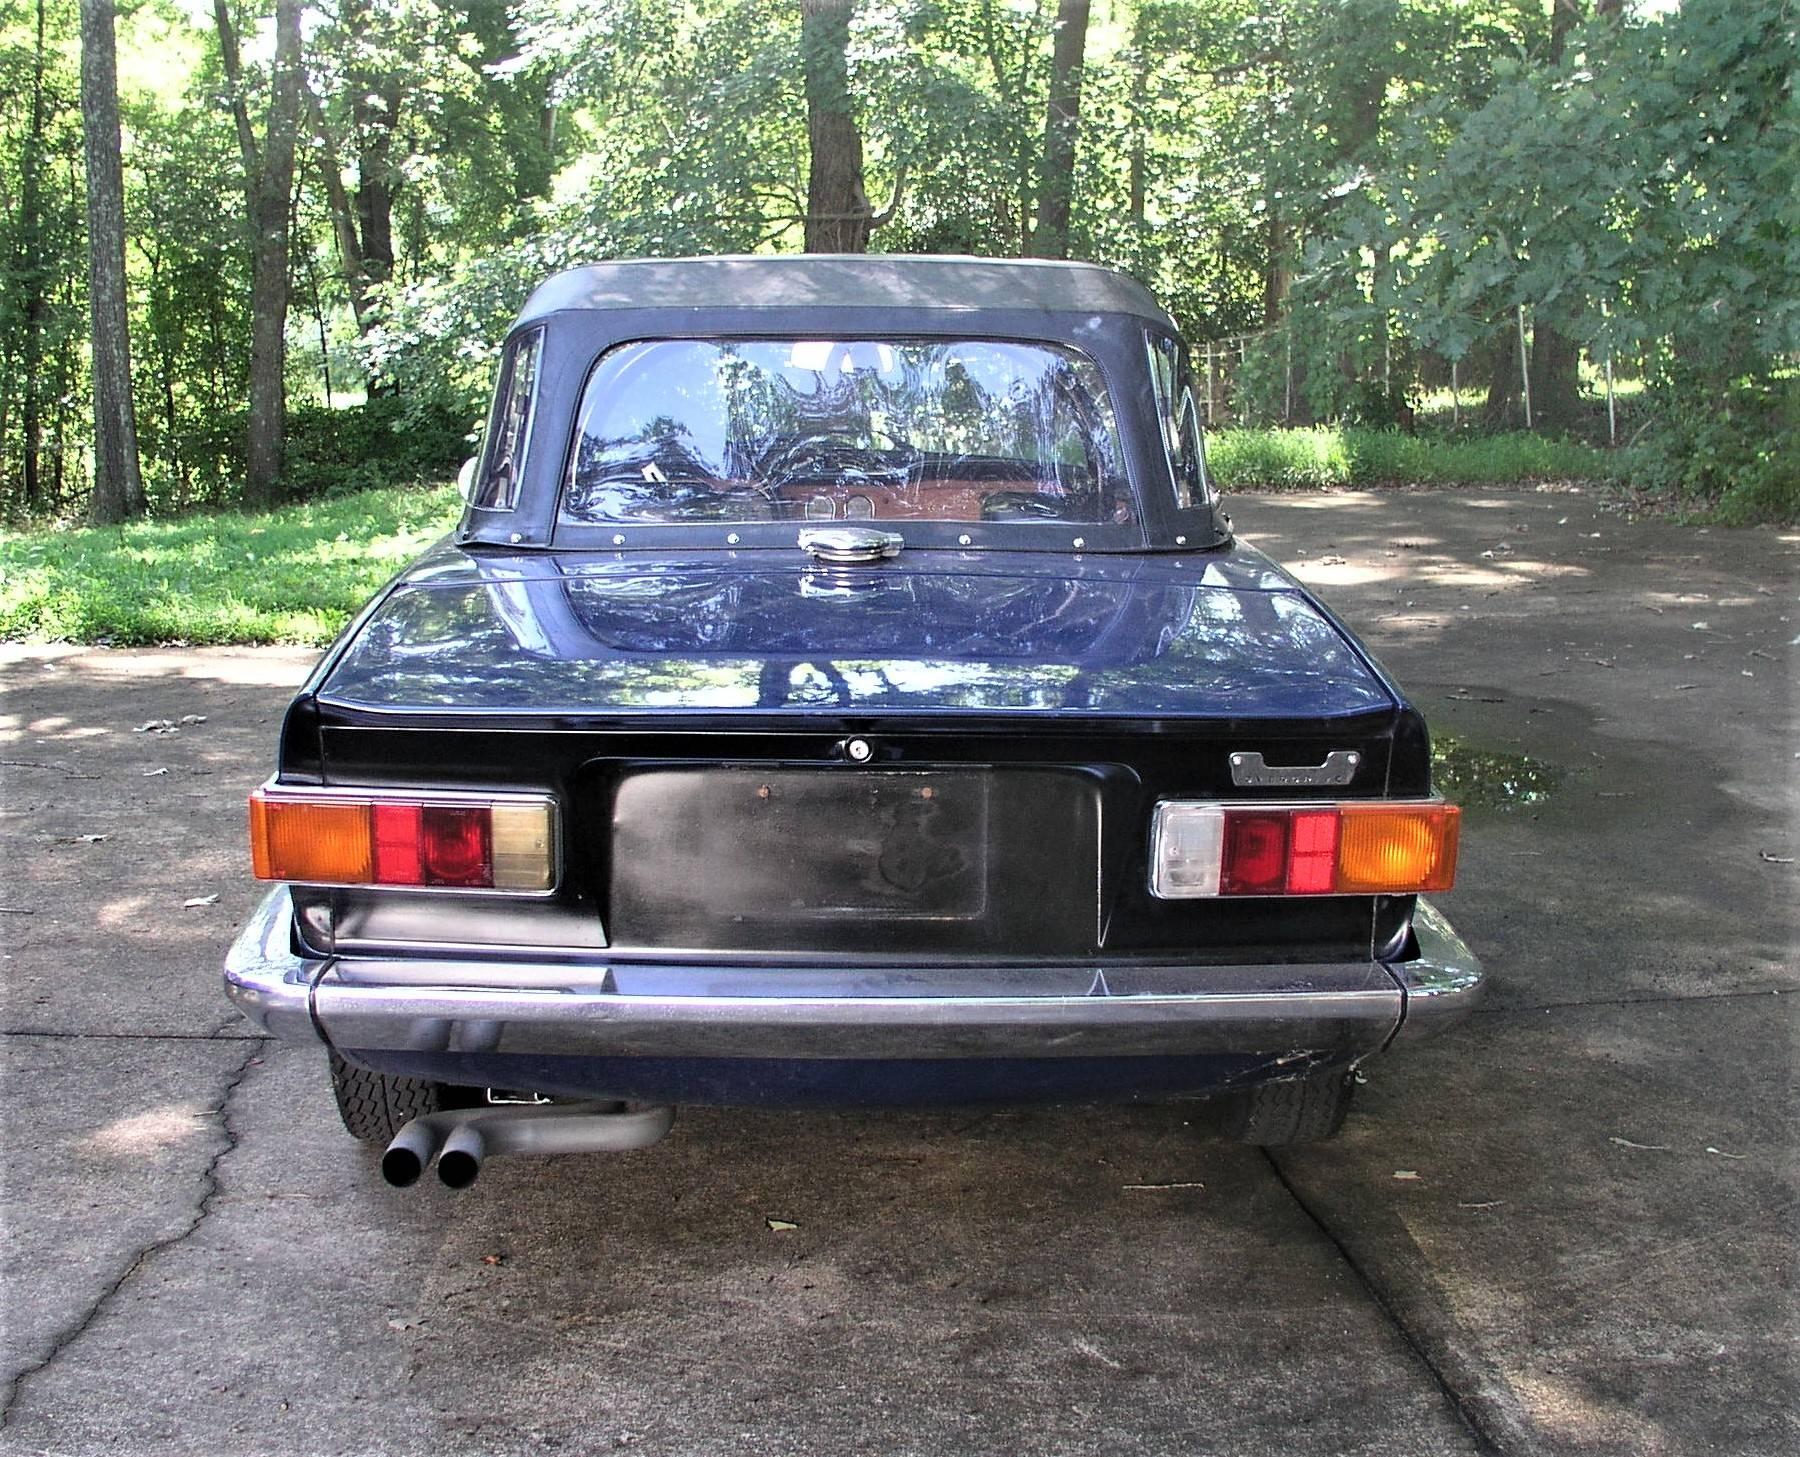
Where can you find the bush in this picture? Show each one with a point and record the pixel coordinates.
(1248, 460)
(392, 440)
(389, 441)
(1735, 452)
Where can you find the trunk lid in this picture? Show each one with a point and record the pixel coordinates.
(1222, 636)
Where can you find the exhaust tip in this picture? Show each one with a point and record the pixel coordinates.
(457, 1169)
(407, 1155)
(460, 1161)
(401, 1167)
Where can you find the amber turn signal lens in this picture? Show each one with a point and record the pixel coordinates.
(317, 841)
(1397, 849)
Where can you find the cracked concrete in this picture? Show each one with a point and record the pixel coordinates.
(1566, 1228)
(120, 1197)
(1454, 1394)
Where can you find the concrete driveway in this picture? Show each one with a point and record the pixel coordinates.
(1569, 1227)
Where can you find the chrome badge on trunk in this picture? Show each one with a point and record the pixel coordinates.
(1249, 772)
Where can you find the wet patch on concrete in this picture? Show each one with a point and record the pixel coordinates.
(1480, 778)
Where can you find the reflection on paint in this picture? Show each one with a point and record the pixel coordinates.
(705, 636)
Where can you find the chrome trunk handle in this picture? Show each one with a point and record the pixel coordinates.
(850, 544)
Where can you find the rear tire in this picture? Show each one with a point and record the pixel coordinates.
(374, 1106)
(1307, 1109)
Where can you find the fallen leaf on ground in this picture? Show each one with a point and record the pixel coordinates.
(152, 773)
(780, 1225)
(493, 1259)
(193, 718)
(1645, 1147)
(1162, 1186)
(1410, 1175)
(157, 726)
(193, 903)
(404, 1325)
(1776, 859)
(1722, 1154)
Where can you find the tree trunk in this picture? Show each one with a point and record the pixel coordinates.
(1138, 167)
(1062, 122)
(1500, 357)
(34, 282)
(1278, 273)
(1555, 378)
(837, 208)
(376, 183)
(118, 485)
(337, 203)
(1555, 358)
(269, 185)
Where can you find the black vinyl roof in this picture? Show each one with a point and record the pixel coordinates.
(845, 280)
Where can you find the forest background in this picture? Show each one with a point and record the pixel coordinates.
(312, 222)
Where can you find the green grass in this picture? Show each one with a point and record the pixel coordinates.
(291, 576)
(1261, 460)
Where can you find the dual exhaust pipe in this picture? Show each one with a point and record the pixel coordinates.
(462, 1139)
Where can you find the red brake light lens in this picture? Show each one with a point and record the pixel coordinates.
(455, 846)
(1256, 855)
(1312, 853)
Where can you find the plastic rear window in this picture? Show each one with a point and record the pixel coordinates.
(694, 432)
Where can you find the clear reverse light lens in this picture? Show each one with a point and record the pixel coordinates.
(1187, 842)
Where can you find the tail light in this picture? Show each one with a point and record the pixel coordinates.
(1379, 848)
(502, 842)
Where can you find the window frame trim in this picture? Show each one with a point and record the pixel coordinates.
(532, 339)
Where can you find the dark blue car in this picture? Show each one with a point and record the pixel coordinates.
(843, 688)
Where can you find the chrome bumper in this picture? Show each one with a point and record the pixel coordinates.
(602, 1008)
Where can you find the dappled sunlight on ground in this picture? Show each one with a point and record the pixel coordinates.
(123, 913)
(1572, 1410)
(275, 667)
(1335, 501)
(138, 1134)
(57, 727)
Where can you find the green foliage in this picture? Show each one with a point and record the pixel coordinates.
(44, 391)
(1735, 450)
(1369, 188)
(389, 441)
(1255, 460)
(293, 576)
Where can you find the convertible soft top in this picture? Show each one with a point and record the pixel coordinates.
(576, 316)
(853, 280)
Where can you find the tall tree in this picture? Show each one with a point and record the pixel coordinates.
(1062, 122)
(34, 278)
(269, 185)
(118, 486)
(838, 215)
(1555, 357)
